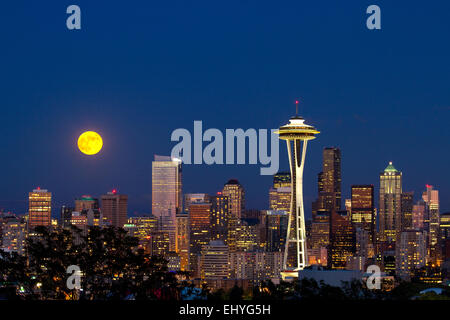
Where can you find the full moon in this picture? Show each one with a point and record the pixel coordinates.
(90, 142)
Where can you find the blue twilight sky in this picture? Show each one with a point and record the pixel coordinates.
(137, 70)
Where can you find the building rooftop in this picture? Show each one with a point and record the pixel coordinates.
(233, 181)
(390, 168)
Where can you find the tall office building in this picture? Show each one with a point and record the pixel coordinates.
(445, 235)
(418, 215)
(248, 235)
(256, 265)
(297, 134)
(182, 243)
(329, 199)
(166, 194)
(390, 203)
(114, 208)
(280, 192)
(330, 195)
(86, 202)
(363, 209)
(219, 217)
(13, 234)
(319, 239)
(236, 206)
(275, 223)
(65, 216)
(411, 252)
(215, 261)
(199, 232)
(280, 199)
(236, 198)
(342, 240)
(39, 208)
(431, 199)
(407, 200)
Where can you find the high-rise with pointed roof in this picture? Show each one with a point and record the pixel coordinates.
(390, 203)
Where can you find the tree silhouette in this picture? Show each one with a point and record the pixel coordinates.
(111, 266)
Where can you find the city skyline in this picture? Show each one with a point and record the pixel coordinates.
(417, 196)
(162, 153)
(218, 237)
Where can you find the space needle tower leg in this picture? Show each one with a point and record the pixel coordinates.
(296, 235)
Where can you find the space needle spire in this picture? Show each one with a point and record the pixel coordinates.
(297, 134)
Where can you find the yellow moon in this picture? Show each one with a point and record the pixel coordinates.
(90, 142)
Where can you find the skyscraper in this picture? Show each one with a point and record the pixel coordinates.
(114, 208)
(330, 195)
(236, 197)
(418, 215)
(342, 239)
(445, 235)
(236, 206)
(390, 203)
(166, 194)
(297, 134)
(219, 217)
(276, 229)
(39, 208)
(329, 199)
(363, 219)
(320, 237)
(431, 199)
(182, 243)
(199, 232)
(410, 252)
(407, 199)
(13, 234)
(280, 193)
(66, 216)
(363, 209)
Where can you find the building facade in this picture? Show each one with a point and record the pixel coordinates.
(167, 194)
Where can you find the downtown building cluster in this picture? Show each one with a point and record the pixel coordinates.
(215, 239)
(406, 239)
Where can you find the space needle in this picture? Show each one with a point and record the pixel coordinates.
(297, 134)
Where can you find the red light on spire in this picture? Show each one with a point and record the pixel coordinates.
(428, 186)
(39, 188)
(114, 191)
